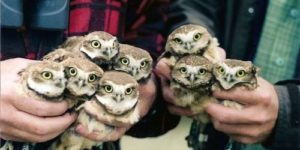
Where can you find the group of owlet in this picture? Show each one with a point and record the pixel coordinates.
(93, 72)
(197, 68)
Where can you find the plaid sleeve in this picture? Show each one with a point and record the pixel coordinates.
(145, 25)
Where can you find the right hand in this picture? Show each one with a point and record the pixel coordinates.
(24, 119)
(163, 71)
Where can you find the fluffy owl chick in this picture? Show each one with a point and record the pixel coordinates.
(83, 77)
(191, 83)
(116, 100)
(99, 46)
(135, 61)
(61, 54)
(43, 80)
(191, 39)
(233, 73)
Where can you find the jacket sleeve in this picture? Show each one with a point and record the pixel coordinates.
(202, 12)
(286, 133)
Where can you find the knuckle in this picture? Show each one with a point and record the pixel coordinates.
(40, 131)
(217, 125)
(259, 119)
(247, 141)
(265, 96)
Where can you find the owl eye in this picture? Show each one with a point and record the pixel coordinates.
(183, 70)
(96, 44)
(178, 41)
(202, 71)
(128, 91)
(221, 70)
(124, 61)
(47, 75)
(72, 71)
(115, 45)
(240, 73)
(92, 78)
(108, 88)
(197, 36)
(143, 64)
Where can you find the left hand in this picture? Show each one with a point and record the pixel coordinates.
(146, 99)
(255, 122)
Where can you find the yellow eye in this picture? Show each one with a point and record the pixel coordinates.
(202, 71)
(96, 44)
(108, 88)
(183, 70)
(178, 40)
(124, 61)
(143, 64)
(197, 36)
(47, 75)
(128, 91)
(221, 70)
(115, 44)
(72, 71)
(240, 73)
(92, 78)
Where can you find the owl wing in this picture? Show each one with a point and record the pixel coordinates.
(72, 42)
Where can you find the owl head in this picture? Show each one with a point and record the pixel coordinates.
(189, 39)
(45, 78)
(231, 73)
(100, 46)
(193, 72)
(83, 76)
(135, 61)
(118, 92)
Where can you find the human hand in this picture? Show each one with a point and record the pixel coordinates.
(25, 119)
(146, 99)
(255, 122)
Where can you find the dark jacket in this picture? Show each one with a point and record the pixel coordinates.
(238, 31)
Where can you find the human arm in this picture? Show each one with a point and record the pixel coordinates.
(25, 119)
(266, 117)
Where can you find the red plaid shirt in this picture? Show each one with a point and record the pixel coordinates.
(137, 22)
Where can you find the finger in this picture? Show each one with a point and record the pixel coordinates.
(93, 109)
(40, 108)
(162, 69)
(147, 96)
(42, 126)
(7, 137)
(245, 96)
(95, 136)
(232, 116)
(249, 130)
(222, 53)
(14, 134)
(240, 95)
(116, 134)
(167, 92)
(180, 111)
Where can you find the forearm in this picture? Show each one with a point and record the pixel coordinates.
(200, 12)
(287, 130)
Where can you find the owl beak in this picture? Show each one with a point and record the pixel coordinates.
(134, 71)
(108, 52)
(187, 45)
(118, 98)
(81, 82)
(192, 77)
